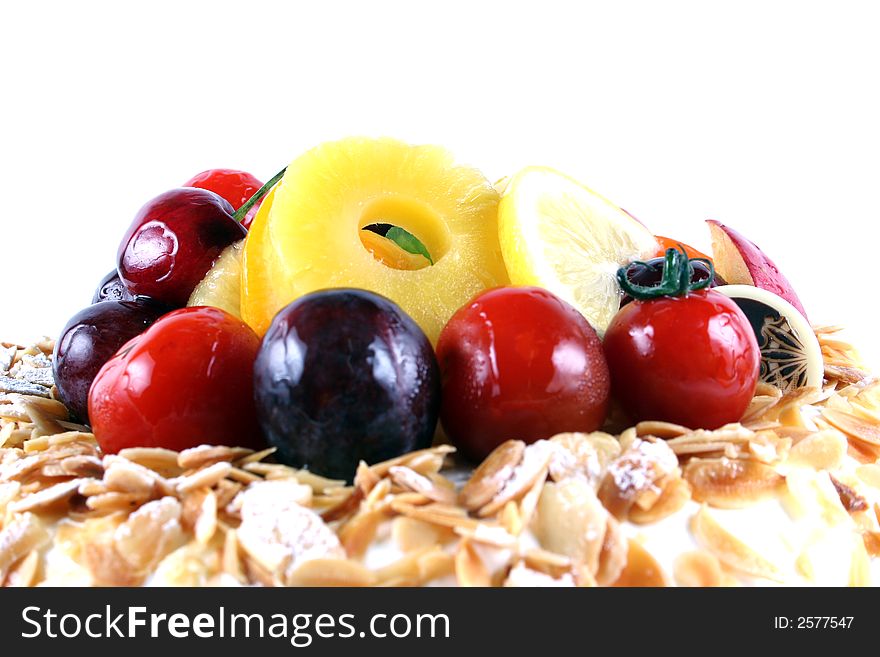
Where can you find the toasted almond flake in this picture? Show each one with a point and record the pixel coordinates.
(411, 534)
(613, 555)
(854, 426)
(730, 484)
(203, 455)
(698, 568)
(255, 457)
(278, 532)
(160, 460)
(149, 534)
(470, 570)
(433, 489)
(18, 537)
(571, 521)
(522, 576)
(242, 476)
(91, 487)
(108, 568)
(406, 569)
(206, 524)
(331, 572)
(357, 534)
(491, 535)
(639, 469)
(676, 493)
(545, 561)
(533, 468)
(231, 560)
(823, 450)
(124, 476)
(661, 429)
(729, 550)
(764, 389)
(490, 476)
(641, 568)
(83, 466)
(46, 498)
(433, 516)
(415, 460)
(509, 518)
(25, 571)
(582, 455)
(433, 564)
(365, 479)
(113, 501)
(208, 477)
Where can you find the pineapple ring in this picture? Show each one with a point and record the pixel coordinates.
(307, 234)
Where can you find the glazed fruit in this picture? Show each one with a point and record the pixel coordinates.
(186, 381)
(233, 185)
(342, 376)
(562, 236)
(741, 262)
(221, 286)
(173, 241)
(111, 288)
(519, 363)
(680, 353)
(309, 235)
(90, 339)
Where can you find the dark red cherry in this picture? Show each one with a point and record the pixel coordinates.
(173, 241)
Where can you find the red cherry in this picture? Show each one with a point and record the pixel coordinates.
(518, 362)
(233, 185)
(186, 381)
(173, 241)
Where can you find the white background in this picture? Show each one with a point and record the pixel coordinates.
(763, 115)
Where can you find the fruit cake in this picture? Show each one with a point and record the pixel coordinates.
(379, 369)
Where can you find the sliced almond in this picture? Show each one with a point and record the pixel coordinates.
(206, 477)
(46, 498)
(433, 487)
(532, 468)
(731, 484)
(698, 568)
(358, 532)
(641, 568)
(490, 476)
(469, 567)
(854, 426)
(823, 450)
(731, 551)
(410, 534)
(25, 571)
(203, 455)
(613, 556)
(571, 521)
(18, 537)
(331, 572)
(675, 494)
(161, 461)
(661, 429)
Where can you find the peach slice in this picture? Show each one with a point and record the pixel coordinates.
(740, 262)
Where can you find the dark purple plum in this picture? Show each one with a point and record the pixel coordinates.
(342, 376)
(111, 288)
(173, 241)
(650, 273)
(90, 339)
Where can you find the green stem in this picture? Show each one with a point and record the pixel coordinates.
(676, 281)
(260, 193)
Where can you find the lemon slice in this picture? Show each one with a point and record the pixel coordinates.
(221, 286)
(557, 234)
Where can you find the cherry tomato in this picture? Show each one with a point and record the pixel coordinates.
(692, 360)
(186, 381)
(233, 185)
(518, 362)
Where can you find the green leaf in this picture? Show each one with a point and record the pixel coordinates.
(408, 242)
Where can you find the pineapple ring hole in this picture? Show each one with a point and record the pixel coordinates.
(415, 217)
